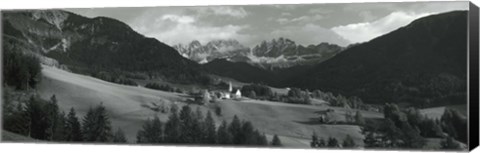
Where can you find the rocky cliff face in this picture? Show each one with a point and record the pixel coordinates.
(217, 49)
(283, 53)
(277, 53)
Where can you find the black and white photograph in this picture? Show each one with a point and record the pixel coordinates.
(357, 76)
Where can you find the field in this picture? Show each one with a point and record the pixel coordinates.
(128, 107)
(13, 137)
(437, 112)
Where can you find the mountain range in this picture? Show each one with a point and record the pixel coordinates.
(274, 54)
(216, 49)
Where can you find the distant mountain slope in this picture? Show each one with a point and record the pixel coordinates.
(240, 71)
(421, 63)
(248, 73)
(94, 44)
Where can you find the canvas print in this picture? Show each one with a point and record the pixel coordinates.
(321, 76)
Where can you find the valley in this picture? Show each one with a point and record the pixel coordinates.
(124, 104)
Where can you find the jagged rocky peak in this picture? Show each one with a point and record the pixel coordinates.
(54, 17)
(283, 52)
(195, 44)
(224, 43)
(273, 48)
(215, 49)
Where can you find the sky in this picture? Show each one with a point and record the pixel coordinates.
(306, 24)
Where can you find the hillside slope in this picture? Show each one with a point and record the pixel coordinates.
(422, 63)
(90, 45)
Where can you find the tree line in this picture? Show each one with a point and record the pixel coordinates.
(408, 128)
(114, 78)
(191, 127)
(20, 70)
(164, 87)
(331, 142)
(43, 120)
(300, 96)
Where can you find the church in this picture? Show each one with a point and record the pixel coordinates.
(230, 94)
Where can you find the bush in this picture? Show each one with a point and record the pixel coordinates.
(165, 87)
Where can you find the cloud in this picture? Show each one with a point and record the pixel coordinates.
(173, 29)
(237, 12)
(320, 11)
(286, 14)
(183, 25)
(301, 19)
(178, 18)
(310, 34)
(282, 20)
(365, 31)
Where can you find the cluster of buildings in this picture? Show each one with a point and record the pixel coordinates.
(231, 93)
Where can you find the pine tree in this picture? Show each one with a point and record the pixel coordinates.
(263, 140)
(18, 121)
(119, 136)
(234, 128)
(198, 125)
(210, 130)
(315, 141)
(223, 134)
(348, 142)
(51, 109)
(187, 125)
(151, 131)
(96, 125)
(89, 127)
(247, 135)
(276, 141)
(60, 128)
(38, 124)
(73, 127)
(172, 128)
(104, 132)
(157, 131)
